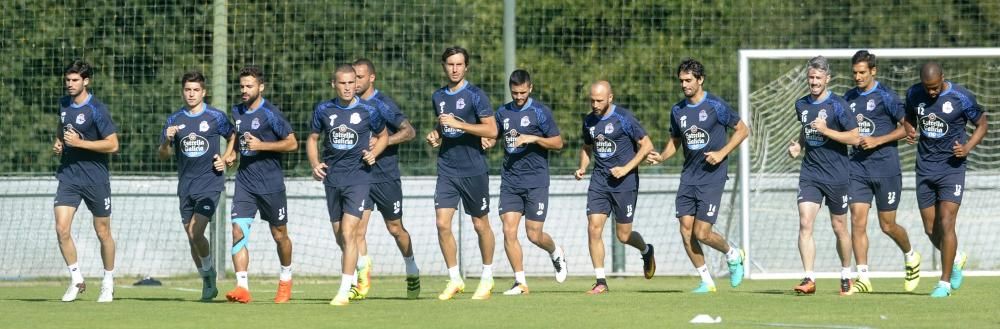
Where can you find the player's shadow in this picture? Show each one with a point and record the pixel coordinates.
(34, 300)
(773, 292)
(651, 291)
(155, 299)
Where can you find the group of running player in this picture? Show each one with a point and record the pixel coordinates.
(361, 127)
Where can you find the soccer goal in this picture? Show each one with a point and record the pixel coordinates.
(769, 83)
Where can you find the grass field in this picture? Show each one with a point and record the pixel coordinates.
(632, 303)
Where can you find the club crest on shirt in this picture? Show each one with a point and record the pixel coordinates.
(822, 114)
(870, 106)
(610, 128)
(255, 123)
(525, 121)
(203, 127)
(460, 104)
(80, 119)
(702, 115)
(947, 108)
(355, 118)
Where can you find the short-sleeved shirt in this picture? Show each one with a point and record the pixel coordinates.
(941, 122)
(826, 160)
(702, 128)
(92, 121)
(615, 140)
(386, 168)
(525, 166)
(461, 154)
(260, 171)
(347, 130)
(877, 112)
(195, 144)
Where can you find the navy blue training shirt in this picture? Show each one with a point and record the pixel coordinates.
(347, 131)
(461, 154)
(526, 166)
(195, 144)
(615, 139)
(260, 172)
(93, 122)
(826, 160)
(940, 123)
(386, 168)
(877, 112)
(702, 128)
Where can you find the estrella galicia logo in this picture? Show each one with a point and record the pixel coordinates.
(696, 138)
(604, 146)
(193, 145)
(510, 139)
(452, 132)
(866, 127)
(343, 138)
(813, 137)
(932, 126)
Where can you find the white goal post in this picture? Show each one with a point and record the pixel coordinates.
(745, 57)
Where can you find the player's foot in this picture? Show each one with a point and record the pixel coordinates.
(517, 289)
(956, 270)
(412, 286)
(342, 299)
(365, 277)
(807, 286)
(74, 289)
(736, 269)
(238, 295)
(704, 288)
(648, 263)
(484, 290)
(284, 292)
(941, 291)
(912, 278)
(845, 286)
(559, 263)
(107, 294)
(355, 294)
(208, 288)
(598, 288)
(860, 286)
(453, 288)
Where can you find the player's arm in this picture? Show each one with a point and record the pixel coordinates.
(381, 142)
(312, 152)
(107, 144)
(287, 144)
(645, 146)
(487, 126)
(669, 149)
(165, 150)
(795, 147)
(554, 143)
(740, 132)
(403, 135)
(871, 142)
(847, 137)
(963, 150)
(585, 152)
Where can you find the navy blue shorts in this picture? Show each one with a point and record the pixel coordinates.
(605, 202)
(348, 200)
(933, 189)
(700, 201)
(474, 192)
(387, 197)
(528, 201)
(816, 192)
(886, 191)
(97, 197)
(273, 206)
(203, 204)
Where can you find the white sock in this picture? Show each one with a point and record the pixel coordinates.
(599, 273)
(109, 278)
(811, 275)
(706, 277)
(206, 263)
(645, 249)
(356, 276)
(557, 253)
(845, 272)
(519, 277)
(286, 273)
(411, 266)
(945, 283)
(74, 273)
(345, 283)
(487, 272)
(909, 255)
(733, 254)
(242, 280)
(863, 272)
(454, 275)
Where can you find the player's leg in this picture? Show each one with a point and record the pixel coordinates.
(346, 230)
(388, 198)
(98, 200)
(475, 195)
(949, 195)
(536, 201)
(511, 208)
(886, 199)
(837, 203)
(623, 204)
(242, 213)
(860, 194)
(362, 278)
(274, 210)
(446, 200)
(809, 199)
(695, 253)
(66, 202)
(201, 254)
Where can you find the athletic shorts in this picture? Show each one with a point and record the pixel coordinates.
(886, 191)
(97, 197)
(387, 197)
(530, 202)
(700, 201)
(474, 192)
(933, 189)
(273, 207)
(816, 192)
(349, 200)
(622, 204)
(202, 203)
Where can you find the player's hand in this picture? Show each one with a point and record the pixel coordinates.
(488, 142)
(911, 135)
(57, 147)
(449, 120)
(819, 124)
(253, 143)
(230, 159)
(959, 150)
(218, 163)
(868, 142)
(368, 157)
(319, 172)
(526, 139)
(72, 137)
(794, 149)
(171, 132)
(654, 158)
(714, 158)
(434, 138)
(579, 173)
(619, 172)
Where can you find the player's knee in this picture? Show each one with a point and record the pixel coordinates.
(64, 234)
(395, 228)
(887, 227)
(624, 235)
(481, 226)
(535, 236)
(510, 232)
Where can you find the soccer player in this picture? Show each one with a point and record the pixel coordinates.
(345, 170)
(465, 126)
(827, 130)
(529, 131)
(875, 169)
(194, 131)
(699, 124)
(619, 144)
(88, 136)
(264, 134)
(939, 109)
(386, 192)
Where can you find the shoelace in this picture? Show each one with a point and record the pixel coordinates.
(556, 263)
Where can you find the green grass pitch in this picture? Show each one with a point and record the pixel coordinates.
(632, 303)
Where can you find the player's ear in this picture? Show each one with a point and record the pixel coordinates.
(86, 82)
